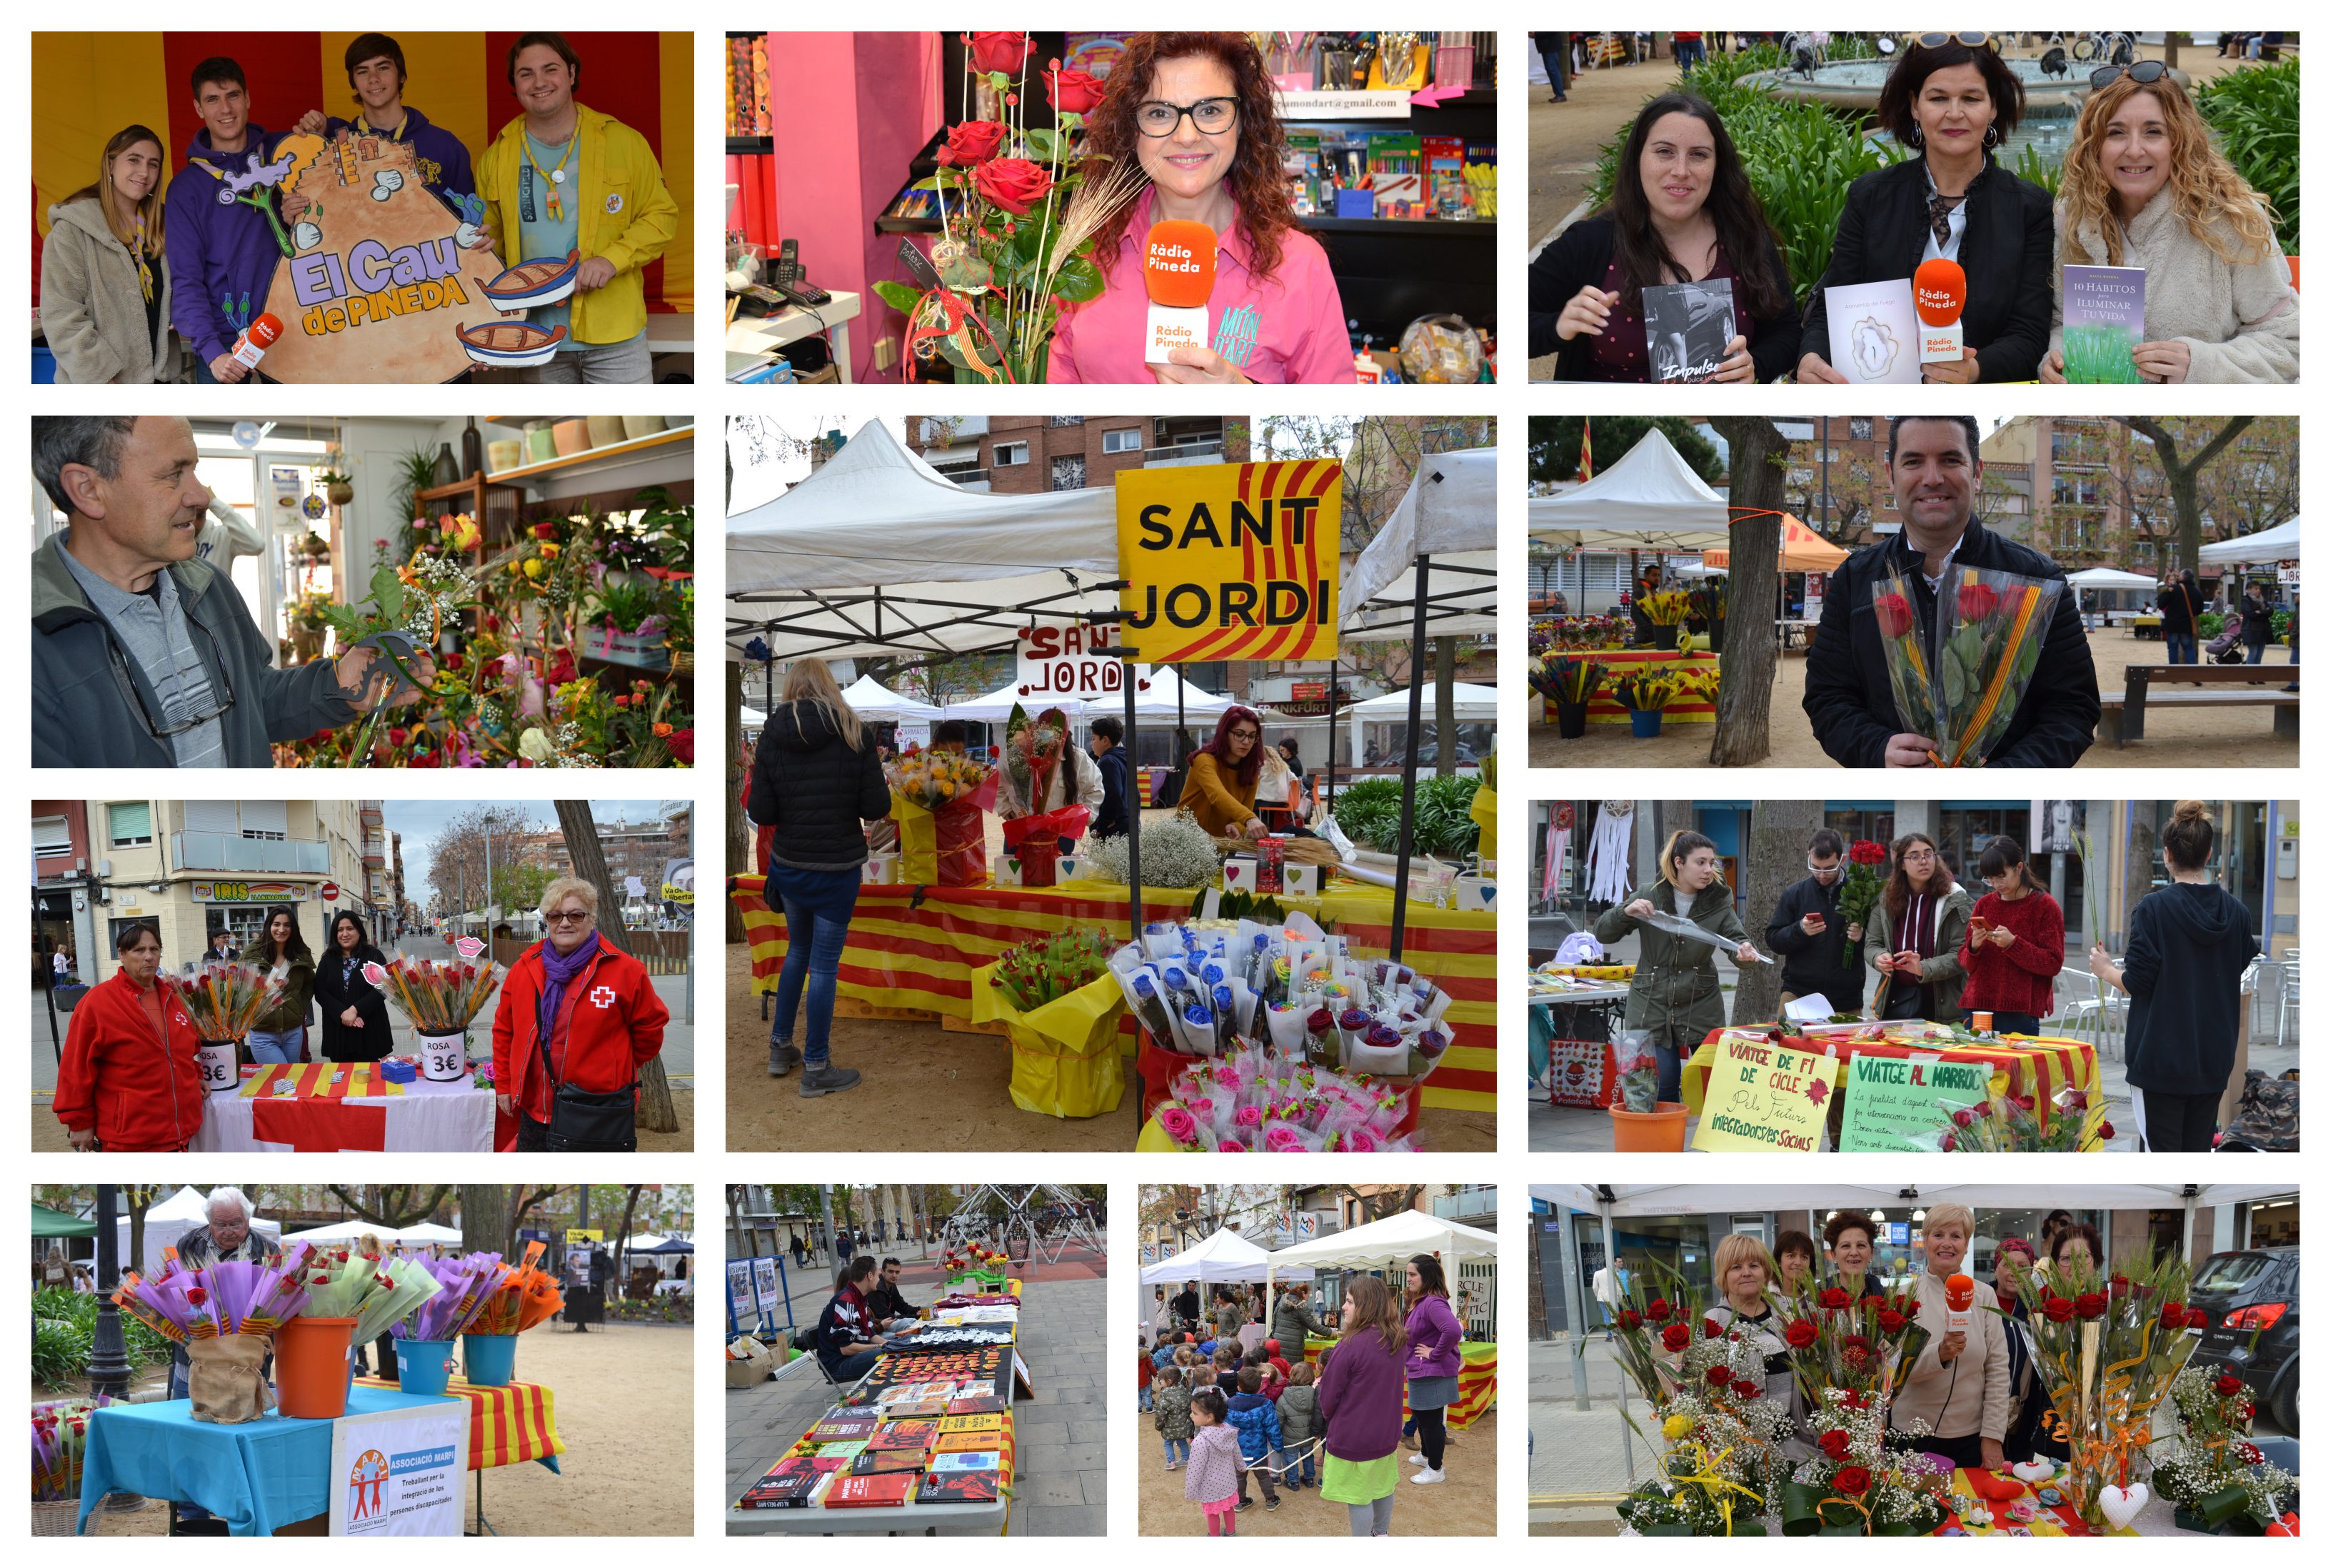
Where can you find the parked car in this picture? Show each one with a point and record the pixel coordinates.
(2252, 1300)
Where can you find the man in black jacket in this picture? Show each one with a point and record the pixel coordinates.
(888, 1301)
(1116, 778)
(1821, 954)
(1933, 462)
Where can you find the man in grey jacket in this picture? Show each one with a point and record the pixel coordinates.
(142, 655)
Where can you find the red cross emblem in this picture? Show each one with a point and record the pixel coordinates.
(603, 997)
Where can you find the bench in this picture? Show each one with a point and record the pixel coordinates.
(2123, 719)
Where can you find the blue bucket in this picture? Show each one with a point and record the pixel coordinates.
(487, 1358)
(422, 1364)
(1646, 720)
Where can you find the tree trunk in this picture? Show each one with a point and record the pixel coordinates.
(741, 835)
(582, 835)
(486, 1219)
(624, 1238)
(1743, 700)
(2184, 478)
(1777, 833)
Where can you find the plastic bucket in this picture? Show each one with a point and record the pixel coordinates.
(486, 1359)
(314, 1360)
(422, 1364)
(214, 1059)
(1570, 719)
(1659, 1131)
(444, 1058)
(1664, 636)
(1646, 721)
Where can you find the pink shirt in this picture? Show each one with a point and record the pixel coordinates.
(1286, 328)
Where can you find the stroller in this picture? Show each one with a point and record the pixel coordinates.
(2226, 647)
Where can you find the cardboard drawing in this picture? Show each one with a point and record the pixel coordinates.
(375, 283)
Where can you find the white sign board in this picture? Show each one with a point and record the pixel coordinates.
(399, 1472)
(2286, 576)
(1061, 663)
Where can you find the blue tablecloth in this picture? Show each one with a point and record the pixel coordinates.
(257, 1476)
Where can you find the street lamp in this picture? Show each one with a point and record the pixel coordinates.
(108, 1354)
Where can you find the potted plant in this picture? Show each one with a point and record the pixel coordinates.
(1567, 683)
(1665, 609)
(338, 487)
(315, 546)
(1646, 695)
(629, 624)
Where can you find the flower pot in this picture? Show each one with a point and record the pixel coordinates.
(607, 429)
(314, 1357)
(1570, 719)
(636, 425)
(541, 445)
(340, 495)
(504, 454)
(1659, 1131)
(571, 436)
(423, 1365)
(1646, 721)
(489, 1359)
(68, 997)
(1664, 637)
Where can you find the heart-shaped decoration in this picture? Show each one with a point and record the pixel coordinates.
(1233, 875)
(2119, 1504)
(2032, 1471)
(1489, 895)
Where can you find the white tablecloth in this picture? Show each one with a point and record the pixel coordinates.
(426, 1118)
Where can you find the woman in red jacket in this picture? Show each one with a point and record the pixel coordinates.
(129, 1083)
(2014, 945)
(576, 1019)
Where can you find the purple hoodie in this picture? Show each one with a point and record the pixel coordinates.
(1360, 1396)
(445, 161)
(1433, 1334)
(221, 255)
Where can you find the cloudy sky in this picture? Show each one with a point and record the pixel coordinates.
(422, 820)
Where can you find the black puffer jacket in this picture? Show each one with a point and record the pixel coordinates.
(2188, 944)
(809, 785)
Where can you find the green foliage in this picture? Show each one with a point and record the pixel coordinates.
(64, 1322)
(2098, 355)
(2041, 171)
(59, 1353)
(627, 603)
(1368, 810)
(2209, 623)
(1369, 813)
(2255, 113)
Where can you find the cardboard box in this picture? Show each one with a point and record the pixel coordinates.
(756, 1365)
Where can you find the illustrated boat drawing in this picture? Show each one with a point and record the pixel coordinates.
(511, 342)
(531, 283)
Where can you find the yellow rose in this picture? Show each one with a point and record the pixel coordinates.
(1677, 1427)
(534, 568)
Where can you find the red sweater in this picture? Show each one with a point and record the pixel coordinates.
(2023, 978)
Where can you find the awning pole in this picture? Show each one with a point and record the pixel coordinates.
(1408, 762)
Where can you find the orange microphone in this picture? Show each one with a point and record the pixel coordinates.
(256, 339)
(1958, 1290)
(1177, 262)
(1940, 291)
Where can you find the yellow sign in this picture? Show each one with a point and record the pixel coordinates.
(577, 1237)
(1763, 1097)
(1231, 560)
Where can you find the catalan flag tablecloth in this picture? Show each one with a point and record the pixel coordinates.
(357, 1109)
(1602, 708)
(2035, 1066)
(913, 949)
(508, 1425)
(1477, 1380)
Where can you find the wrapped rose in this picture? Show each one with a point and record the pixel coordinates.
(2228, 1384)
(1894, 618)
(1630, 1318)
(1177, 1124)
(1835, 1299)
(1675, 1337)
(1978, 601)
(2090, 1305)
(1360, 1141)
(1890, 1320)
(2104, 1132)
(2057, 1309)
(1748, 1390)
(1016, 185)
(1283, 1140)
(1659, 1311)
(2173, 1317)
(1073, 92)
(1231, 1146)
(1835, 1442)
(973, 142)
(1248, 1117)
(1852, 1480)
(1709, 1329)
(1801, 1334)
(1718, 1375)
(1005, 52)
(2196, 1319)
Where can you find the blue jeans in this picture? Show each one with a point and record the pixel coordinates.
(2181, 647)
(1670, 1072)
(1177, 1450)
(285, 1045)
(1145, 1399)
(1553, 58)
(812, 960)
(2257, 654)
(1308, 1468)
(1689, 53)
(851, 1368)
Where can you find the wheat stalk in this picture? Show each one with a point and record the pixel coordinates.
(1098, 200)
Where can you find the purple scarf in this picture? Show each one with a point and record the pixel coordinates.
(557, 974)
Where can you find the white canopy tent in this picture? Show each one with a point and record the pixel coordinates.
(2279, 543)
(167, 1221)
(1450, 510)
(1474, 703)
(422, 1235)
(1393, 1240)
(2111, 577)
(997, 705)
(1621, 1199)
(1224, 1257)
(1650, 500)
(1158, 700)
(874, 700)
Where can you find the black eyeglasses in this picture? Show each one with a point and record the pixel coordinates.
(1212, 116)
(1972, 40)
(213, 671)
(2143, 71)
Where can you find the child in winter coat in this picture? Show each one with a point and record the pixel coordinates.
(1172, 1403)
(1213, 1482)
(1298, 1423)
(1149, 1371)
(1256, 1420)
(1279, 1363)
(1273, 1384)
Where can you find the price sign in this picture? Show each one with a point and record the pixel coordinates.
(217, 1065)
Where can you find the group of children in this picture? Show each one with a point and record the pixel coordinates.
(1224, 1413)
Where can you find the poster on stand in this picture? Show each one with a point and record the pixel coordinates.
(398, 1472)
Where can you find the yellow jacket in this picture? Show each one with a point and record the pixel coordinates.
(1221, 804)
(624, 215)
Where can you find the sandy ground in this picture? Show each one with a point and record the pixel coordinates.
(928, 1087)
(625, 1404)
(1464, 1505)
(2173, 736)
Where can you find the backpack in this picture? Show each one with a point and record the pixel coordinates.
(2266, 1120)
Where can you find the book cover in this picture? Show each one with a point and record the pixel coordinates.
(886, 1462)
(2104, 321)
(971, 1423)
(787, 1484)
(1873, 333)
(1685, 327)
(975, 1404)
(965, 1442)
(914, 1435)
(843, 1430)
(869, 1491)
(959, 1486)
(916, 1407)
(986, 1459)
(843, 1451)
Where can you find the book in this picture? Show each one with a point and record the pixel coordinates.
(895, 1435)
(965, 1442)
(971, 1423)
(787, 1484)
(959, 1486)
(916, 1407)
(869, 1491)
(843, 1451)
(985, 1459)
(886, 1462)
(1685, 327)
(2104, 321)
(843, 1430)
(1873, 333)
(977, 1404)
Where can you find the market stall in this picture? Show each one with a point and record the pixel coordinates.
(1224, 1257)
(324, 1107)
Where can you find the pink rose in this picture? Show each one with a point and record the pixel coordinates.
(1360, 1141)
(1232, 1146)
(1248, 1117)
(1283, 1140)
(1227, 1077)
(1177, 1124)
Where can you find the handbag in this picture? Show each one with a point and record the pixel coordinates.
(588, 1121)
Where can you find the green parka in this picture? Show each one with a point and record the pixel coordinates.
(299, 988)
(1675, 991)
(1944, 975)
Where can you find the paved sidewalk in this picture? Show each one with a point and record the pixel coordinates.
(1062, 1486)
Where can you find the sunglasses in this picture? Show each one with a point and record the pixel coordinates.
(568, 917)
(1972, 40)
(2143, 71)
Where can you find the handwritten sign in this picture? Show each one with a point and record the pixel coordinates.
(1063, 663)
(1763, 1099)
(1235, 560)
(1903, 1105)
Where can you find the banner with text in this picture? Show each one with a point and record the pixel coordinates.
(1903, 1105)
(1069, 664)
(1231, 560)
(398, 1472)
(1763, 1097)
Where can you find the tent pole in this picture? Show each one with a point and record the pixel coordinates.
(1335, 676)
(1133, 790)
(1408, 761)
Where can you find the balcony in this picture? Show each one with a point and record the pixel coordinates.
(1184, 454)
(965, 479)
(369, 816)
(202, 851)
(1473, 1203)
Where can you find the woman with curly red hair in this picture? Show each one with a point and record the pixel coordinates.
(1197, 112)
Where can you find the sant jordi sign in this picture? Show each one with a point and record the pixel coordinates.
(1231, 560)
(1763, 1097)
(1067, 663)
(1903, 1105)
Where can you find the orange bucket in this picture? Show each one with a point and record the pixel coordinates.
(313, 1360)
(1659, 1131)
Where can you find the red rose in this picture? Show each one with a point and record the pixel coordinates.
(1894, 617)
(2196, 1319)
(196, 1296)
(1802, 1334)
(2104, 1131)
(1835, 1299)
(1890, 1321)
(2025, 1102)
(546, 530)
(2057, 1309)
(1630, 1319)
(2173, 1317)
(1748, 1390)
(1005, 52)
(2119, 1287)
(1709, 1329)
(1852, 1480)
(682, 745)
(2091, 1306)
(975, 142)
(1016, 185)
(2244, 1411)
(1659, 1311)
(1073, 92)
(1977, 602)
(2227, 1385)
(1961, 1118)
(1833, 1442)
(1717, 1376)
(1950, 1142)
(1853, 1400)
(2251, 1456)
(1675, 1337)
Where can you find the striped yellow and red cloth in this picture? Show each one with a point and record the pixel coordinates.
(2037, 1067)
(1477, 1380)
(509, 1425)
(313, 1080)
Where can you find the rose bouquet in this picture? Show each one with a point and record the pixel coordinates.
(1046, 968)
(441, 996)
(59, 1441)
(225, 999)
(1649, 691)
(1961, 691)
(464, 1287)
(1863, 1344)
(1256, 1099)
(374, 1290)
(1566, 679)
(1665, 606)
(935, 779)
(1855, 1484)
(1865, 879)
(523, 1297)
(2066, 1122)
(2210, 1468)
(224, 1299)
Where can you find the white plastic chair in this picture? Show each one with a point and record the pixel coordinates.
(2286, 1012)
(2093, 1011)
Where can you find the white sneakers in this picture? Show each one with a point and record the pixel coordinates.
(1428, 1477)
(1416, 1458)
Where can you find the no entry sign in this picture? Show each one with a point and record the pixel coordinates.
(1231, 560)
